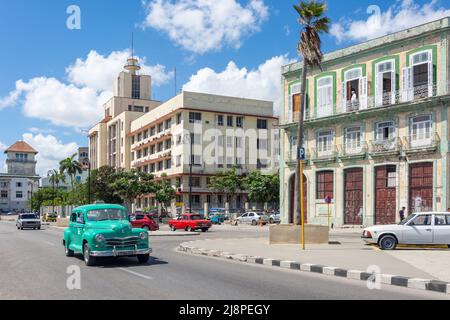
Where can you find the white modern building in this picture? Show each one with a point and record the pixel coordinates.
(226, 132)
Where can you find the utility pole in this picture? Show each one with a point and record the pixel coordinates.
(190, 170)
(49, 174)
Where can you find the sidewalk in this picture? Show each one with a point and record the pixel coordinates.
(350, 254)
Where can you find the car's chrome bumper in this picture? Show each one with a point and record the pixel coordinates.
(118, 253)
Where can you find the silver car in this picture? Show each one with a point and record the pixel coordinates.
(253, 218)
(275, 218)
(28, 221)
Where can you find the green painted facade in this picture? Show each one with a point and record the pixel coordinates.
(407, 147)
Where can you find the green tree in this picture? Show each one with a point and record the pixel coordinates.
(164, 192)
(102, 180)
(312, 23)
(227, 182)
(129, 185)
(57, 177)
(262, 188)
(78, 195)
(71, 167)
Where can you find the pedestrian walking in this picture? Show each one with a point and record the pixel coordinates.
(402, 214)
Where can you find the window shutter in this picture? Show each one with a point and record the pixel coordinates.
(363, 92)
(406, 94)
(393, 87)
(344, 96)
(290, 113)
(319, 101)
(430, 79)
(378, 89)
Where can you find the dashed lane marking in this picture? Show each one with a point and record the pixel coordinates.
(137, 274)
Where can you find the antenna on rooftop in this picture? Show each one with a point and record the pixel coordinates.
(132, 44)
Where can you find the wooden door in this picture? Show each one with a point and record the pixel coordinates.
(385, 194)
(420, 187)
(353, 196)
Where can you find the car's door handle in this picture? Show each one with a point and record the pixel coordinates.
(429, 230)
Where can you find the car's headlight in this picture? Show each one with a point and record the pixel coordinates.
(99, 238)
(143, 235)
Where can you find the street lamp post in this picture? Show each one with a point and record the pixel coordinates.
(87, 163)
(30, 183)
(49, 174)
(190, 137)
(191, 153)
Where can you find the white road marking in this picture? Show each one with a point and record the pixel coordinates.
(137, 274)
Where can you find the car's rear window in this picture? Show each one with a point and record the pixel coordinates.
(197, 217)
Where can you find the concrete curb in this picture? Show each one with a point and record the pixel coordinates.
(407, 282)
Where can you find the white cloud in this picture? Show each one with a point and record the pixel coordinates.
(51, 151)
(9, 100)
(3, 146)
(78, 103)
(200, 26)
(61, 104)
(40, 130)
(402, 15)
(98, 72)
(262, 83)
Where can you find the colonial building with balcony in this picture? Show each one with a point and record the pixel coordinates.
(376, 130)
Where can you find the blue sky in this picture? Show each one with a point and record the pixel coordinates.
(233, 47)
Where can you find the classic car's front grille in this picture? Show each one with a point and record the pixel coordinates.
(129, 241)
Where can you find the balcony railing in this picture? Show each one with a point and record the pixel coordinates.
(411, 144)
(414, 94)
(324, 154)
(421, 141)
(354, 148)
(385, 146)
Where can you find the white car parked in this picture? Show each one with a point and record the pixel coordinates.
(422, 228)
(253, 218)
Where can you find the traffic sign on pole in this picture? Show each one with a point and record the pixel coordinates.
(301, 154)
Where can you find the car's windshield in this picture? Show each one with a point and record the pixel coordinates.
(197, 217)
(407, 219)
(106, 214)
(28, 216)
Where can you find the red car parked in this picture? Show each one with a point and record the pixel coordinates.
(190, 222)
(144, 221)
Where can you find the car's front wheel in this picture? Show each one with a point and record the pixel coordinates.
(204, 229)
(69, 253)
(88, 259)
(189, 229)
(387, 242)
(254, 223)
(143, 258)
(271, 221)
(172, 228)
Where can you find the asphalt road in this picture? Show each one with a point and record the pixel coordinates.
(33, 266)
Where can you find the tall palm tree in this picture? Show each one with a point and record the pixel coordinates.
(57, 177)
(313, 23)
(71, 167)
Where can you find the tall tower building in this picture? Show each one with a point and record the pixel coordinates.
(108, 143)
(20, 181)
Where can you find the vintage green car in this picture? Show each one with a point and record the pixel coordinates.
(104, 230)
